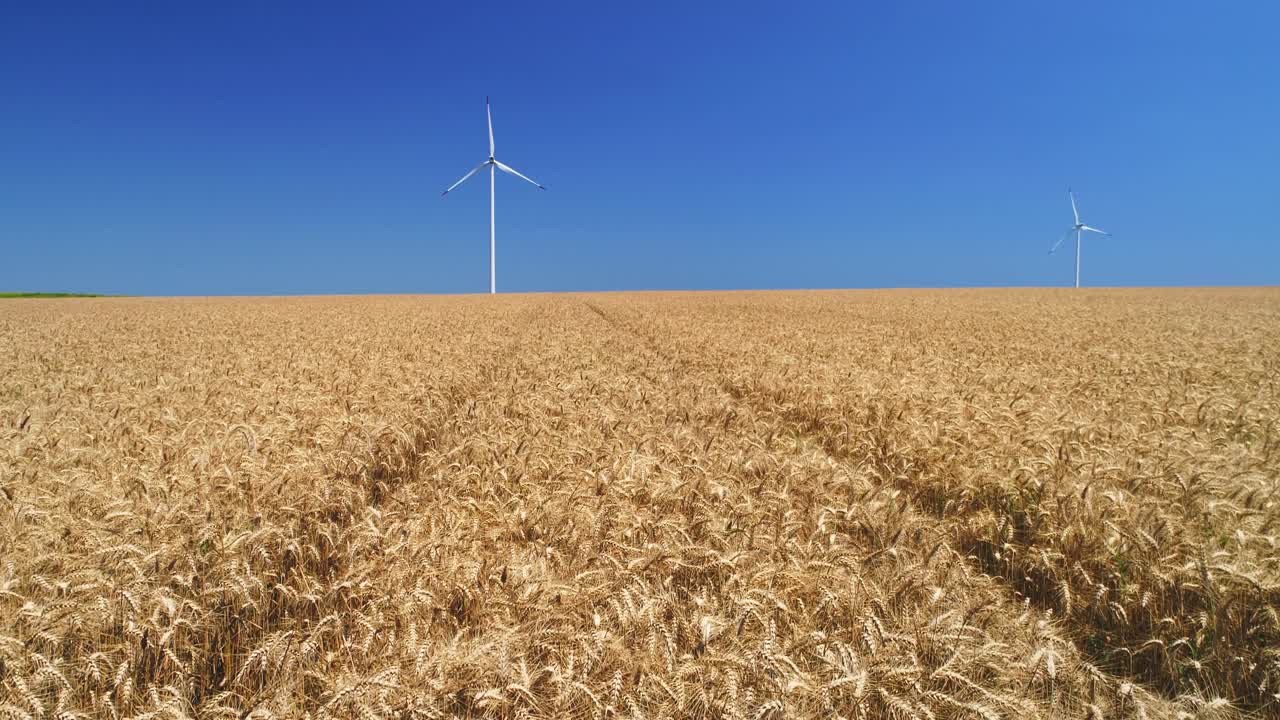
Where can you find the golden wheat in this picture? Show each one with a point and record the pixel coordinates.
(988, 504)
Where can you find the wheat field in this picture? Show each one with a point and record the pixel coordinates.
(892, 504)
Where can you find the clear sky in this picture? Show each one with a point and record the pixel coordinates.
(273, 148)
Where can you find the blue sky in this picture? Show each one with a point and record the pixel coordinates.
(272, 148)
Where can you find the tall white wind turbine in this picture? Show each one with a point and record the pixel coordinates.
(1078, 228)
(493, 165)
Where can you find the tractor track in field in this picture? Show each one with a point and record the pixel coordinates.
(811, 429)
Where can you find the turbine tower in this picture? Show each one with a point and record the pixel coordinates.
(1078, 228)
(493, 165)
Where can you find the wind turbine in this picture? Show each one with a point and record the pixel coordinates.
(1079, 228)
(493, 166)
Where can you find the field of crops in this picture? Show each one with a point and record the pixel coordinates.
(900, 504)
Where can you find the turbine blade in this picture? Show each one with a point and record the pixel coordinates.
(1074, 210)
(489, 112)
(1061, 240)
(512, 171)
(474, 170)
(1094, 229)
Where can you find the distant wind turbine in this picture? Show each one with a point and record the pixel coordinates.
(1079, 228)
(492, 163)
